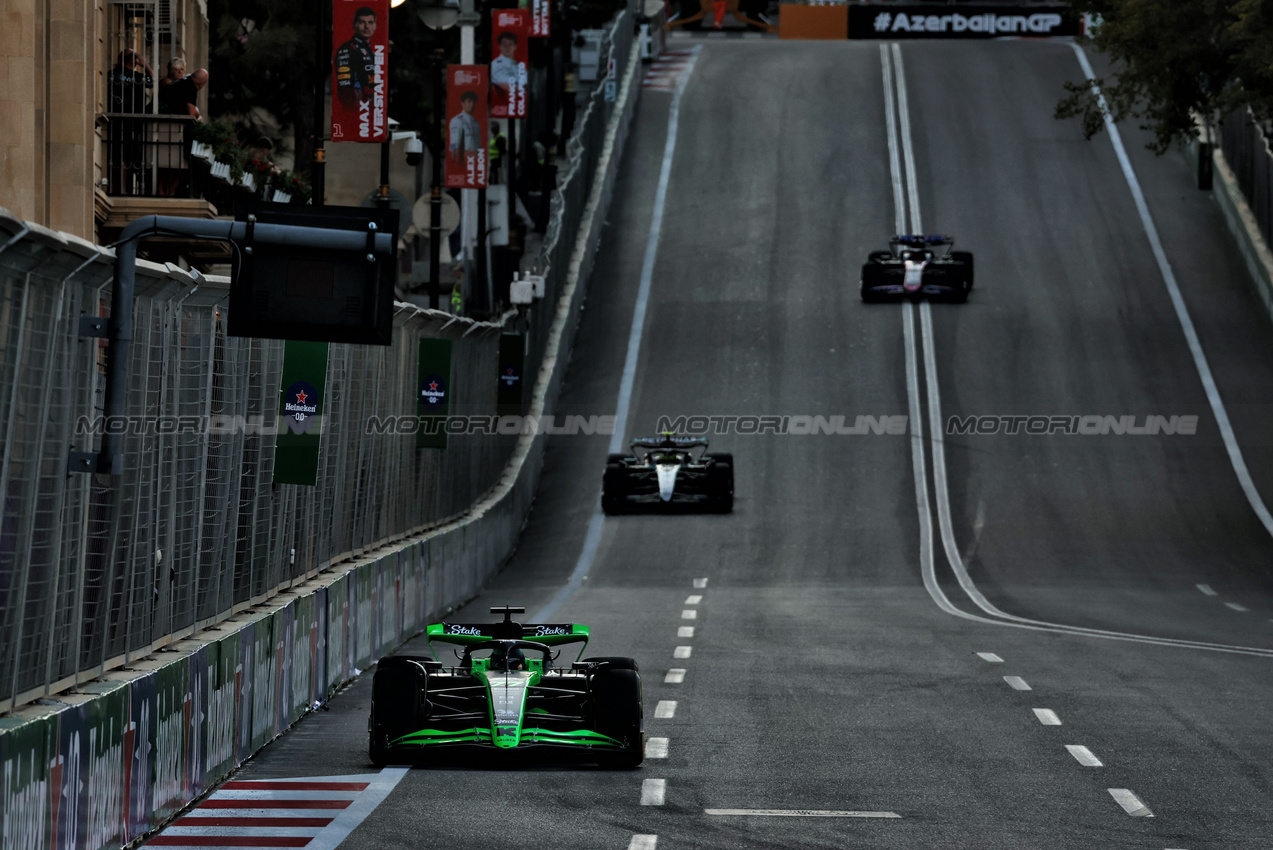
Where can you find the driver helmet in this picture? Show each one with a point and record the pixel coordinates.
(514, 659)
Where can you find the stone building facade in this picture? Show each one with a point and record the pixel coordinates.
(55, 60)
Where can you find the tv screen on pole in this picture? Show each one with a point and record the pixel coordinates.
(280, 292)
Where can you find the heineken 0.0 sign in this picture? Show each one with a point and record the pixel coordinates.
(300, 412)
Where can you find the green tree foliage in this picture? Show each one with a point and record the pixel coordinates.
(263, 65)
(1173, 59)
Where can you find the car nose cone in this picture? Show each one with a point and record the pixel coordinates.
(667, 479)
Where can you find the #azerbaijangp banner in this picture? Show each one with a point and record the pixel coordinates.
(466, 87)
(897, 21)
(360, 70)
(510, 28)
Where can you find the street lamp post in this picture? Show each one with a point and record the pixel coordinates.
(437, 15)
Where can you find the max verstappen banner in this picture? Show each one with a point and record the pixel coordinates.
(897, 22)
(466, 130)
(360, 70)
(540, 14)
(510, 28)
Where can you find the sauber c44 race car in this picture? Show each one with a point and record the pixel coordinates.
(668, 472)
(507, 695)
(915, 266)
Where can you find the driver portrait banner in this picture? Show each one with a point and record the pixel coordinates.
(360, 71)
(896, 21)
(466, 110)
(540, 15)
(510, 29)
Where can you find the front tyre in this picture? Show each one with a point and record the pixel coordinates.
(617, 712)
(720, 482)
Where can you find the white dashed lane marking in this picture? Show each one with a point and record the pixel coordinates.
(1083, 755)
(1130, 803)
(665, 709)
(1206, 588)
(693, 600)
(689, 614)
(1017, 683)
(991, 657)
(700, 583)
(799, 813)
(675, 676)
(653, 791)
(1047, 717)
(1236, 607)
(643, 842)
(685, 631)
(682, 652)
(656, 748)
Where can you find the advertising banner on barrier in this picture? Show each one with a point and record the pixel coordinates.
(27, 789)
(104, 788)
(196, 722)
(301, 650)
(337, 633)
(365, 620)
(244, 689)
(223, 707)
(408, 569)
(319, 643)
(434, 402)
(510, 30)
(300, 408)
(264, 715)
(895, 21)
(139, 755)
(466, 106)
(170, 739)
(360, 70)
(284, 622)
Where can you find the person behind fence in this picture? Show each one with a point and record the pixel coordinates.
(496, 148)
(177, 97)
(126, 93)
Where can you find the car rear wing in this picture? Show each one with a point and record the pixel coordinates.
(464, 634)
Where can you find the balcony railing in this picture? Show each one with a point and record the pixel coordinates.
(149, 156)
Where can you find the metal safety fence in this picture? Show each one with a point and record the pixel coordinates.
(1246, 149)
(97, 571)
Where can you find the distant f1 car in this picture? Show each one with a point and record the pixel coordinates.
(668, 472)
(916, 266)
(507, 695)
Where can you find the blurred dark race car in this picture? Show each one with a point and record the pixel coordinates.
(915, 267)
(668, 472)
(509, 696)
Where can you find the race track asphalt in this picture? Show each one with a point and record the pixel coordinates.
(824, 675)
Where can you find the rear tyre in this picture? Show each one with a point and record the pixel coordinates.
(398, 704)
(872, 276)
(965, 257)
(614, 486)
(617, 712)
(720, 482)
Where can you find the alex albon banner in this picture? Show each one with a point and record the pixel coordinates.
(895, 22)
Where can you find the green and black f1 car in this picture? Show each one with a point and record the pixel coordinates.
(507, 695)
